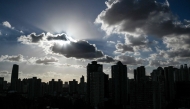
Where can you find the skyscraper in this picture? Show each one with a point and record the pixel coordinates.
(73, 86)
(82, 85)
(34, 87)
(14, 76)
(119, 84)
(139, 74)
(1, 83)
(95, 84)
(169, 83)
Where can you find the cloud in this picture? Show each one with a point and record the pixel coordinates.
(123, 48)
(63, 45)
(134, 44)
(34, 39)
(130, 60)
(44, 61)
(31, 38)
(178, 46)
(7, 24)
(32, 60)
(57, 37)
(136, 40)
(79, 49)
(5, 74)
(163, 63)
(106, 59)
(74, 66)
(14, 58)
(140, 24)
(133, 16)
(110, 42)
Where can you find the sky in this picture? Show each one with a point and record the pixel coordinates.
(56, 39)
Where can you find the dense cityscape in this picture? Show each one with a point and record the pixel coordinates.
(165, 88)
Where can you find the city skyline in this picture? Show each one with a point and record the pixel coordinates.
(15, 72)
(166, 87)
(56, 39)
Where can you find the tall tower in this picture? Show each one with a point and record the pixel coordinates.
(119, 84)
(169, 83)
(14, 76)
(82, 87)
(95, 84)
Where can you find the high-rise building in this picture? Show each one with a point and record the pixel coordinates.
(158, 88)
(106, 85)
(59, 87)
(34, 89)
(82, 85)
(5, 85)
(14, 76)
(44, 88)
(73, 86)
(169, 83)
(51, 87)
(119, 84)
(185, 73)
(139, 74)
(95, 84)
(66, 87)
(1, 83)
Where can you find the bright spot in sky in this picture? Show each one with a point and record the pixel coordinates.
(60, 42)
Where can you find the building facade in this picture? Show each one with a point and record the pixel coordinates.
(119, 84)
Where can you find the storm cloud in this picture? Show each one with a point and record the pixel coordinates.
(79, 49)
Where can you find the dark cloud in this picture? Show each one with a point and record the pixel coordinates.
(67, 46)
(136, 41)
(178, 53)
(79, 49)
(106, 59)
(33, 38)
(57, 37)
(133, 16)
(36, 38)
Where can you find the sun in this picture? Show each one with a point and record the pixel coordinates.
(61, 42)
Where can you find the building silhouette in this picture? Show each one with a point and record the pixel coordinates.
(169, 83)
(165, 88)
(106, 86)
(73, 86)
(1, 83)
(34, 87)
(119, 84)
(82, 85)
(95, 84)
(14, 77)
